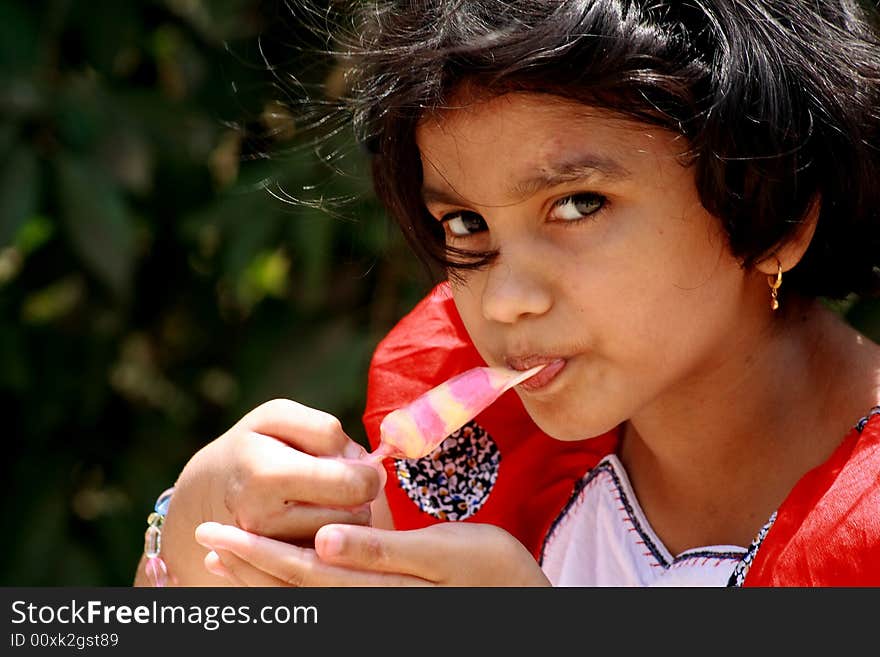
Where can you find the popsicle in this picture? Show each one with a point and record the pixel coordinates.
(415, 430)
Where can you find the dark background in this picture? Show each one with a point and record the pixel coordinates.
(154, 287)
(154, 283)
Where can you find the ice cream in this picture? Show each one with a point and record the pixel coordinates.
(416, 429)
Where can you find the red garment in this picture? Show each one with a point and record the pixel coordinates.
(826, 533)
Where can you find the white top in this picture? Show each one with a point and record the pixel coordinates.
(602, 538)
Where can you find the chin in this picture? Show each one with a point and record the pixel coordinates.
(568, 428)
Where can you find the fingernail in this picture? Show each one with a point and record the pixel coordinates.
(329, 541)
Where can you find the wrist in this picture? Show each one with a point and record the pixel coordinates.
(192, 504)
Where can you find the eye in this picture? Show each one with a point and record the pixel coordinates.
(463, 223)
(577, 206)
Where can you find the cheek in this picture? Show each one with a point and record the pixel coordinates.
(467, 295)
(656, 286)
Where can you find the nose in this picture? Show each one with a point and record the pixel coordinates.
(514, 290)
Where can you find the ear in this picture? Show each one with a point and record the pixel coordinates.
(790, 252)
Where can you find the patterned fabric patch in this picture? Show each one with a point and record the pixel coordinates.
(454, 480)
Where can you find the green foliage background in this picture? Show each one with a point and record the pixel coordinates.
(154, 286)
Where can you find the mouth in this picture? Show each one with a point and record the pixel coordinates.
(554, 365)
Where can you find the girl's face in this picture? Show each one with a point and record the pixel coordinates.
(609, 268)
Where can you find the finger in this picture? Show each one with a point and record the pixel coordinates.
(293, 475)
(328, 481)
(243, 573)
(295, 566)
(384, 550)
(300, 521)
(307, 429)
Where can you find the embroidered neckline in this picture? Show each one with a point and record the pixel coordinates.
(611, 466)
(636, 515)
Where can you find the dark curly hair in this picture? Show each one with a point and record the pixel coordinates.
(779, 101)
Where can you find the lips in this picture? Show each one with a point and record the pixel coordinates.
(554, 365)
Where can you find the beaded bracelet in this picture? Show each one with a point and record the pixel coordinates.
(155, 568)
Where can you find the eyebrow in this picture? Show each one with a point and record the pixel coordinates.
(557, 173)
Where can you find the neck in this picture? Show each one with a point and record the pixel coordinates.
(711, 460)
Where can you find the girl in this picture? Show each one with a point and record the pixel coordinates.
(652, 199)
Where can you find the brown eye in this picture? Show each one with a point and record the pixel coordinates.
(463, 223)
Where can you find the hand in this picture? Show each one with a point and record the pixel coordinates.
(282, 471)
(285, 469)
(447, 554)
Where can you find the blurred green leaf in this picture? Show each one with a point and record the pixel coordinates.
(266, 275)
(98, 223)
(35, 232)
(53, 302)
(19, 191)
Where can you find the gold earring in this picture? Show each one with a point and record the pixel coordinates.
(775, 283)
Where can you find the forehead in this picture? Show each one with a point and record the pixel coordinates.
(520, 135)
(481, 121)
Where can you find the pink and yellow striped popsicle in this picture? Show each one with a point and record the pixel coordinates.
(416, 429)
